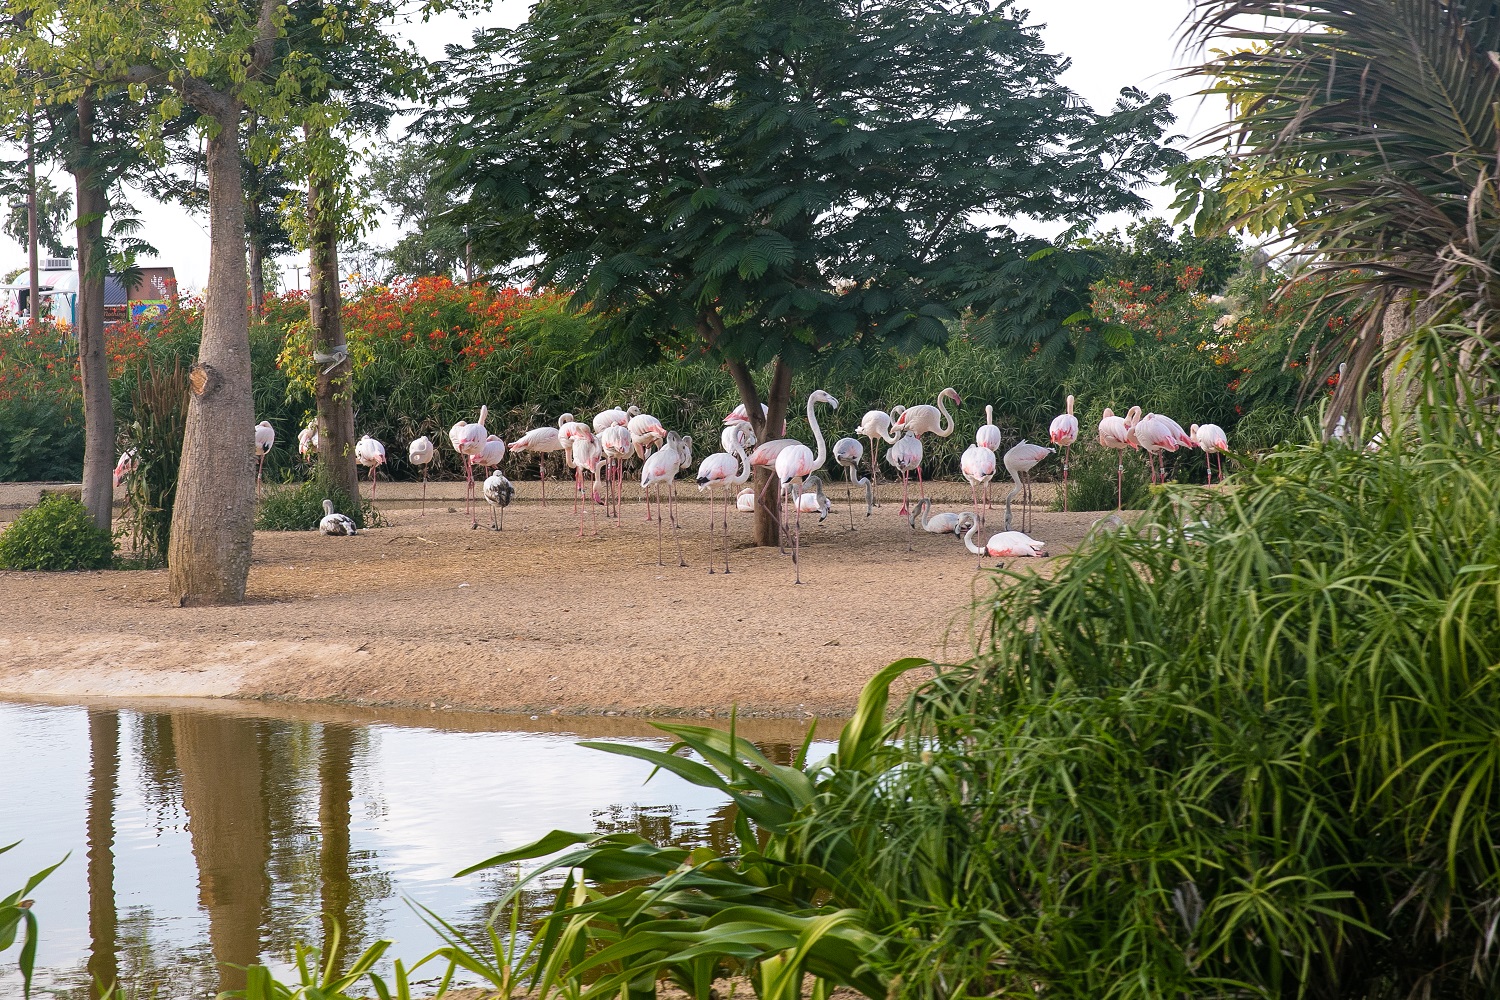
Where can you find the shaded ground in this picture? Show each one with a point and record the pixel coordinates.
(534, 619)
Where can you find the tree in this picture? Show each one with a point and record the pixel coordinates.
(403, 178)
(773, 184)
(54, 210)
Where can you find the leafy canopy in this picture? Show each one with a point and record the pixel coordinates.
(774, 179)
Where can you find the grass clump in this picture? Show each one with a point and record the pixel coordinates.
(56, 534)
(299, 506)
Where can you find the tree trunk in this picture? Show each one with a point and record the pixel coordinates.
(98, 402)
(335, 793)
(257, 270)
(104, 764)
(767, 493)
(34, 310)
(335, 389)
(208, 560)
(254, 238)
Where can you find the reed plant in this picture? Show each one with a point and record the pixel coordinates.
(158, 406)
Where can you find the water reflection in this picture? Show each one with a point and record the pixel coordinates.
(208, 840)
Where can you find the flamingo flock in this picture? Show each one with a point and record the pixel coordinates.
(599, 449)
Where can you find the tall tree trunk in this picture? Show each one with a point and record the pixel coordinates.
(767, 492)
(335, 793)
(208, 560)
(255, 237)
(219, 758)
(335, 389)
(34, 310)
(104, 765)
(98, 403)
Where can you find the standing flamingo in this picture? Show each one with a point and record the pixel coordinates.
(1005, 545)
(588, 456)
(1212, 439)
(988, 435)
(1156, 434)
(489, 456)
(929, 419)
(125, 466)
(906, 455)
(876, 424)
(307, 440)
(538, 442)
(978, 466)
(420, 452)
(1064, 432)
(265, 439)
(614, 417)
(728, 468)
(570, 430)
(467, 439)
(371, 454)
(615, 440)
(1019, 460)
(796, 462)
(848, 452)
(766, 453)
(498, 493)
(660, 469)
(1114, 434)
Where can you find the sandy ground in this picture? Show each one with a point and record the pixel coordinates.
(533, 619)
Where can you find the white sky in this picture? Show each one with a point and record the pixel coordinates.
(1112, 43)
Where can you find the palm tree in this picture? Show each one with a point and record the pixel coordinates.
(1365, 133)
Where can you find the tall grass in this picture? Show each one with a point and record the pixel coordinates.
(158, 406)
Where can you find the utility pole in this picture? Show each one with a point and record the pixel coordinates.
(35, 302)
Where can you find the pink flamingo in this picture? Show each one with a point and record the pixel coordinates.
(125, 466)
(766, 453)
(265, 439)
(796, 462)
(660, 469)
(929, 419)
(988, 435)
(1004, 545)
(906, 455)
(1212, 439)
(467, 439)
(978, 466)
(489, 456)
(588, 457)
(539, 442)
(371, 454)
(1019, 460)
(568, 431)
(615, 440)
(614, 417)
(420, 452)
(1157, 434)
(1114, 434)
(876, 425)
(728, 469)
(307, 440)
(1064, 432)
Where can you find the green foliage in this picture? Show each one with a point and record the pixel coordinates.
(56, 534)
(299, 506)
(16, 916)
(155, 434)
(320, 979)
(54, 211)
(42, 438)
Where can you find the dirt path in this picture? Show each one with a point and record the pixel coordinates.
(534, 619)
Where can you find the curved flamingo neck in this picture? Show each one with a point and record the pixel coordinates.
(742, 470)
(969, 539)
(812, 418)
(943, 415)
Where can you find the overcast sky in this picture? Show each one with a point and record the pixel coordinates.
(1112, 44)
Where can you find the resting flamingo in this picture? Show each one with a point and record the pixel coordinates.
(420, 452)
(929, 419)
(1019, 460)
(498, 493)
(540, 442)
(1064, 433)
(336, 524)
(988, 435)
(740, 415)
(766, 453)
(876, 425)
(371, 454)
(905, 455)
(588, 456)
(848, 452)
(1005, 545)
(1157, 434)
(728, 468)
(796, 462)
(1114, 434)
(660, 469)
(615, 440)
(744, 501)
(467, 439)
(937, 524)
(265, 440)
(570, 430)
(307, 440)
(614, 417)
(1212, 439)
(489, 456)
(978, 466)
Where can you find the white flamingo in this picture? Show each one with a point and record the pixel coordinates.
(929, 419)
(660, 469)
(467, 439)
(848, 452)
(728, 468)
(988, 435)
(570, 430)
(1114, 434)
(265, 440)
(336, 524)
(946, 523)
(588, 456)
(1212, 439)
(498, 493)
(1064, 433)
(614, 417)
(1019, 460)
(905, 455)
(420, 452)
(744, 502)
(307, 440)
(796, 462)
(978, 466)
(540, 442)
(371, 454)
(1004, 545)
(615, 440)
(766, 453)
(876, 425)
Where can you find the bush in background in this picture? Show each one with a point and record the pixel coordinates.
(299, 506)
(56, 534)
(155, 433)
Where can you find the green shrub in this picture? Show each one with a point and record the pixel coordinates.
(155, 434)
(299, 506)
(56, 534)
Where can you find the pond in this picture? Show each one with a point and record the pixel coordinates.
(201, 836)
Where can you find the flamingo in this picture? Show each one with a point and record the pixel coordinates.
(905, 455)
(812, 500)
(877, 424)
(744, 502)
(615, 417)
(978, 466)
(1212, 439)
(728, 468)
(796, 462)
(307, 439)
(371, 454)
(929, 419)
(420, 452)
(848, 452)
(126, 465)
(467, 439)
(1019, 460)
(1114, 434)
(646, 432)
(615, 440)
(766, 453)
(988, 435)
(498, 493)
(1155, 434)
(937, 524)
(336, 524)
(539, 442)
(489, 456)
(568, 431)
(265, 440)
(588, 456)
(1064, 432)
(661, 468)
(1005, 545)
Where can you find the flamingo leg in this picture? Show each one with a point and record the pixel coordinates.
(1220, 459)
(594, 507)
(260, 467)
(849, 495)
(541, 472)
(658, 527)
(797, 533)
(1067, 454)
(424, 491)
(921, 487)
(713, 516)
(494, 526)
(727, 493)
(874, 463)
(905, 497)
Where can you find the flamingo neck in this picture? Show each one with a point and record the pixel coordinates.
(989, 413)
(742, 469)
(1070, 406)
(969, 539)
(812, 418)
(944, 416)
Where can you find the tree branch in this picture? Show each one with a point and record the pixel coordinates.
(264, 48)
